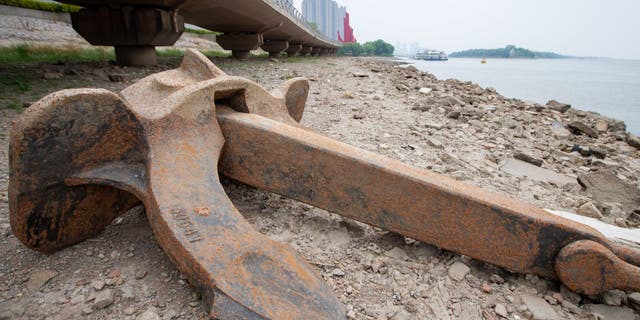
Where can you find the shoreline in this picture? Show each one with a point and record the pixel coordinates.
(580, 82)
(455, 128)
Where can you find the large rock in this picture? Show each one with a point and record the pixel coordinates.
(633, 141)
(558, 106)
(604, 186)
(520, 168)
(578, 127)
(539, 308)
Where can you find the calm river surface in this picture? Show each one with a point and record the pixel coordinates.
(607, 86)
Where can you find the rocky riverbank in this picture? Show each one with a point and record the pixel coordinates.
(553, 156)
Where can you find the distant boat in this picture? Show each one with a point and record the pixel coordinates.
(483, 61)
(432, 55)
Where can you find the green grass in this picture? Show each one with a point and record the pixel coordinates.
(25, 53)
(17, 81)
(14, 106)
(39, 5)
(200, 31)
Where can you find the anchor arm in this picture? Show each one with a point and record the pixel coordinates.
(370, 188)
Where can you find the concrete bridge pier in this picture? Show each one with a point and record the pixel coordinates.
(293, 50)
(316, 51)
(306, 50)
(240, 44)
(275, 47)
(133, 31)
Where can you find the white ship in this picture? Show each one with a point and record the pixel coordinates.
(432, 55)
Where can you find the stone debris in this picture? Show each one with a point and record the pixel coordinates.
(458, 129)
(633, 140)
(614, 298)
(454, 115)
(103, 299)
(520, 168)
(606, 312)
(578, 127)
(148, 315)
(634, 300)
(558, 106)
(589, 210)
(39, 278)
(605, 187)
(140, 274)
(539, 308)
(425, 90)
(527, 158)
(458, 270)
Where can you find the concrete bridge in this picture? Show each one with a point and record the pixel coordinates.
(135, 27)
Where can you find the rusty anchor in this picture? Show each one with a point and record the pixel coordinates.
(79, 158)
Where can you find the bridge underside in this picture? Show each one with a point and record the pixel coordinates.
(134, 26)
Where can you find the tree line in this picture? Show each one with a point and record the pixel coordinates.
(509, 51)
(371, 48)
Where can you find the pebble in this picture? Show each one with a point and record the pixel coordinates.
(86, 310)
(425, 90)
(148, 315)
(501, 310)
(571, 307)
(570, 295)
(458, 270)
(98, 285)
(578, 127)
(141, 274)
(611, 313)
(103, 299)
(634, 300)
(337, 272)
(114, 274)
(128, 292)
(614, 298)
(435, 143)
(39, 278)
(454, 115)
(528, 158)
(496, 279)
(539, 308)
(558, 106)
(589, 210)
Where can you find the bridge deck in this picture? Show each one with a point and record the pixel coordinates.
(272, 17)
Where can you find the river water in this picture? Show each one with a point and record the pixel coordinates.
(607, 86)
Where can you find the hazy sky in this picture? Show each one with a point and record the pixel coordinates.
(603, 28)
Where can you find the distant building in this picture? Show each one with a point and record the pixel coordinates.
(331, 19)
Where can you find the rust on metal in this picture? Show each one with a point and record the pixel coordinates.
(80, 158)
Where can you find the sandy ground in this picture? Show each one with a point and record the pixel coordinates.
(372, 104)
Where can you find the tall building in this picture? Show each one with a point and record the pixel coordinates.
(328, 16)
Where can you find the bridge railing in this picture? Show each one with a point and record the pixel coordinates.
(295, 14)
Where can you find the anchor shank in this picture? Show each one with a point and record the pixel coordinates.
(373, 189)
